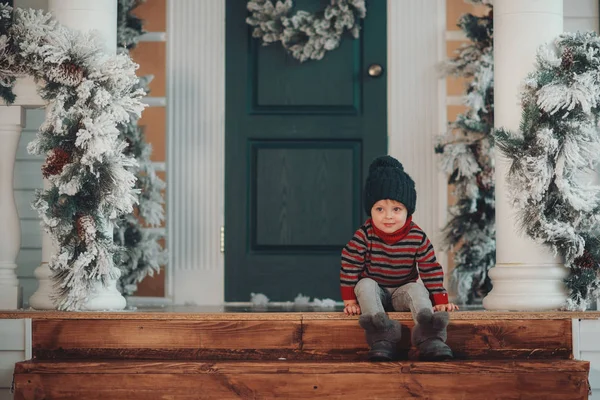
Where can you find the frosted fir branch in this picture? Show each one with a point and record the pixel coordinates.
(304, 35)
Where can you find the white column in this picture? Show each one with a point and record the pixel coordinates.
(88, 15)
(83, 15)
(527, 276)
(11, 124)
(196, 125)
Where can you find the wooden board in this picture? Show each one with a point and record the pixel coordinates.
(468, 339)
(562, 380)
(164, 339)
(272, 339)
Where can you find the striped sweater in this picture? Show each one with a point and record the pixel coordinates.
(391, 265)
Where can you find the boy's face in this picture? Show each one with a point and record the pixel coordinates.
(389, 215)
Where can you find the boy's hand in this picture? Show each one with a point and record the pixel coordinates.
(445, 307)
(351, 307)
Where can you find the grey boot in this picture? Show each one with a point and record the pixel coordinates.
(429, 335)
(383, 335)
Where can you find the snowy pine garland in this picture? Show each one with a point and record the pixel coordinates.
(142, 254)
(467, 157)
(89, 95)
(304, 35)
(554, 156)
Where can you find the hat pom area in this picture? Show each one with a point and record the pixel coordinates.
(385, 162)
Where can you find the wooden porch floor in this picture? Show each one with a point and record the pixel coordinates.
(237, 312)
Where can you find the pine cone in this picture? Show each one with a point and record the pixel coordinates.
(68, 74)
(586, 261)
(86, 228)
(568, 59)
(55, 162)
(62, 199)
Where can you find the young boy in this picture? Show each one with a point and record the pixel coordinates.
(381, 265)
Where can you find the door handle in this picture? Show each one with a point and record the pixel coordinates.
(375, 70)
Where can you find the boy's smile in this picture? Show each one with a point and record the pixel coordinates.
(388, 215)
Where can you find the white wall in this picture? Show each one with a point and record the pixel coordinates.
(15, 346)
(580, 15)
(586, 347)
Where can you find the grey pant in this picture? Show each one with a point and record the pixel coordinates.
(374, 299)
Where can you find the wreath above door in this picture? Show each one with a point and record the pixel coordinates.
(304, 35)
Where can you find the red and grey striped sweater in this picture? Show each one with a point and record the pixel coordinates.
(391, 264)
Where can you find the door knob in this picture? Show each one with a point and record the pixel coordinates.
(375, 70)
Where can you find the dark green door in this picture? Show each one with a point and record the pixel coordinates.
(299, 140)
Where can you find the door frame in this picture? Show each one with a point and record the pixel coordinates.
(195, 191)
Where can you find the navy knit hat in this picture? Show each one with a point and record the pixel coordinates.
(387, 180)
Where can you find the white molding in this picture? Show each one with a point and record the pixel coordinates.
(575, 329)
(196, 148)
(154, 101)
(28, 339)
(153, 37)
(455, 36)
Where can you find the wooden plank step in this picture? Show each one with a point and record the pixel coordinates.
(270, 339)
(148, 380)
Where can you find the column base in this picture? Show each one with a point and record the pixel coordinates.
(520, 287)
(105, 298)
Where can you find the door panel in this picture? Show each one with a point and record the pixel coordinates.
(299, 139)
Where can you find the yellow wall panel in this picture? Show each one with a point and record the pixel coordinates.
(154, 14)
(153, 122)
(456, 8)
(453, 112)
(152, 286)
(151, 57)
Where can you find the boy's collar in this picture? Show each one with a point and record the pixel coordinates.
(394, 237)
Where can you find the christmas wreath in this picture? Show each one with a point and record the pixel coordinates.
(555, 153)
(89, 96)
(304, 35)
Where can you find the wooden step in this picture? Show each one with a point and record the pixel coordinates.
(148, 380)
(327, 336)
